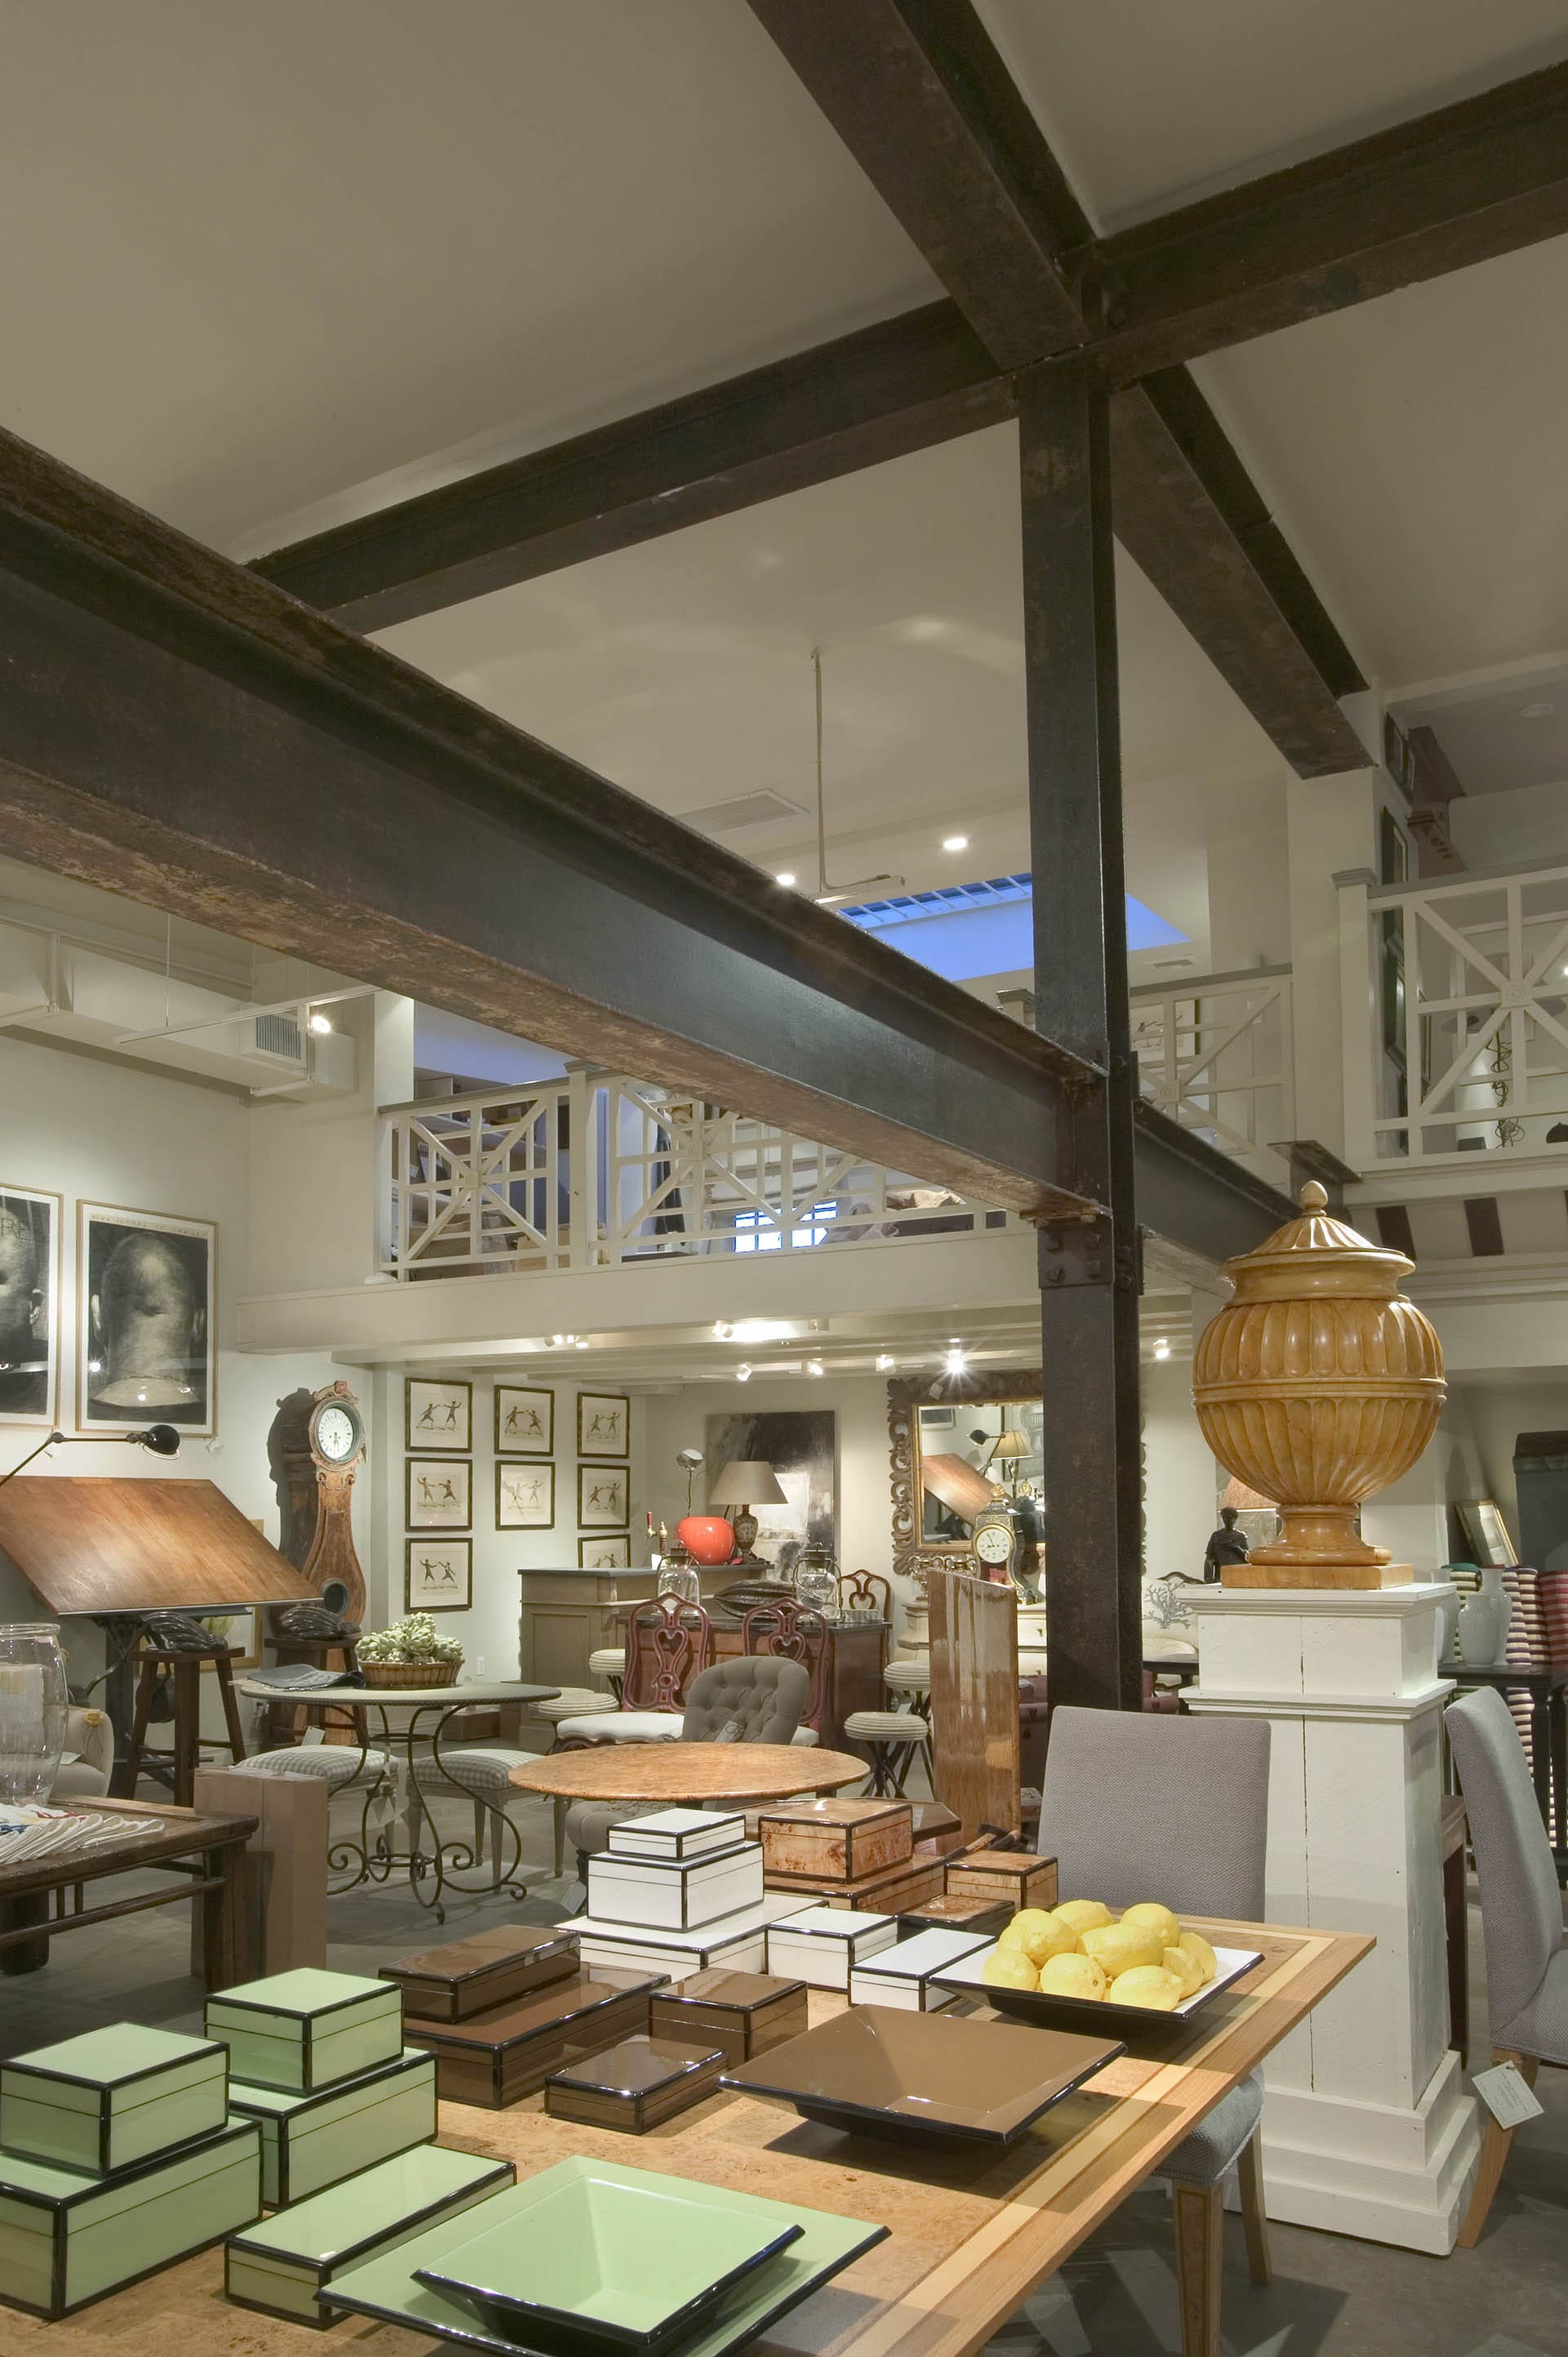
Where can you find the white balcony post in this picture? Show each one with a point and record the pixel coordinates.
(1358, 1015)
(583, 1155)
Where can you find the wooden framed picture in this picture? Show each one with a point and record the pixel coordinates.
(29, 1307)
(1486, 1532)
(525, 1497)
(603, 1424)
(146, 1294)
(610, 1553)
(438, 1575)
(440, 1493)
(437, 1413)
(525, 1421)
(603, 1497)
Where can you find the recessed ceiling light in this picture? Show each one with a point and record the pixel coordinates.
(723, 1329)
(787, 877)
(1535, 710)
(885, 1361)
(955, 842)
(813, 1366)
(743, 1372)
(1161, 1348)
(320, 1023)
(955, 1362)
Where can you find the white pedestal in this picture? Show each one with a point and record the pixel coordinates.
(1367, 2127)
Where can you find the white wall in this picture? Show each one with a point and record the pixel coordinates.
(1181, 1480)
(1411, 1519)
(1526, 828)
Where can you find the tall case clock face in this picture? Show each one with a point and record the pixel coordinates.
(337, 1435)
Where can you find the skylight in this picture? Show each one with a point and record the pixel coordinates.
(964, 931)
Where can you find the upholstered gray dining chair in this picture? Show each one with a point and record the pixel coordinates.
(750, 1698)
(1136, 1806)
(1521, 1913)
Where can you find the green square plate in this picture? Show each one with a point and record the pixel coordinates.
(396, 2290)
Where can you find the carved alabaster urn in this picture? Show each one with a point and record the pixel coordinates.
(1318, 1384)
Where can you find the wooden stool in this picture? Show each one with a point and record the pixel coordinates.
(178, 1767)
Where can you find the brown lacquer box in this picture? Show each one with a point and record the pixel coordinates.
(742, 2013)
(945, 1914)
(475, 1974)
(497, 2058)
(838, 1841)
(1004, 1874)
(634, 2085)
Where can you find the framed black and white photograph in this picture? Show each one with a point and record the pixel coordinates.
(611, 1554)
(603, 1424)
(146, 1293)
(29, 1307)
(440, 1493)
(603, 1497)
(525, 1421)
(438, 1575)
(437, 1413)
(525, 1497)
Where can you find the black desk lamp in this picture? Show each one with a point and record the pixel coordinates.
(163, 1439)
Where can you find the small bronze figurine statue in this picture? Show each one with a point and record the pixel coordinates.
(1226, 1545)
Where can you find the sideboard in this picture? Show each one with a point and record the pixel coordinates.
(564, 1616)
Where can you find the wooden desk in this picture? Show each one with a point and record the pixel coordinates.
(216, 1879)
(972, 2235)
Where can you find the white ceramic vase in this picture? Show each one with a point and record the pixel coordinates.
(1483, 1621)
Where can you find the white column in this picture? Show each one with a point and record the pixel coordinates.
(1367, 2127)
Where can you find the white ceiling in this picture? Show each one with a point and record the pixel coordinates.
(265, 267)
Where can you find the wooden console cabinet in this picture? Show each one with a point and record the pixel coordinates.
(565, 1616)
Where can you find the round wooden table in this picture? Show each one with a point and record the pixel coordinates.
(688, 1771)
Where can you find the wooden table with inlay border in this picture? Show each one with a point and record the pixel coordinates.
(972, 2233)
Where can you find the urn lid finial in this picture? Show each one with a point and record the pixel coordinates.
(1316, 1253)
(1313, 1196)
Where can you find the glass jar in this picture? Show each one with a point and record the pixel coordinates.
(817, 1580)
(33, 1702)
(679, 1580)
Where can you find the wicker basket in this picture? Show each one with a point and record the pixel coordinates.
(411, 1674)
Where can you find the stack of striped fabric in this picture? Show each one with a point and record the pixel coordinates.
(1538, 1634)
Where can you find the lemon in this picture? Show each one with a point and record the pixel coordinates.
(1118, 1947)
(1187, 1968)
(1156, 1918)
(1039, 1934)
(1069, 1975)
(1197, 1946)
(1009, 1968)
(1147, 1984)
(1083, 1914)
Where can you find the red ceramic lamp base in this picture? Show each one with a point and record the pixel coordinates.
(707, 1538)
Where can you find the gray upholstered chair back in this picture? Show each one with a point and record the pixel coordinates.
(1521, 1907)
(1135, 1806)
(762, 1695)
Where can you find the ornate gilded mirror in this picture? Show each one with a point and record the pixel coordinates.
(958, 1456)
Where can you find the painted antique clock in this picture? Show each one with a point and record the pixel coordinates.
(994, 1535)
(322, 1442)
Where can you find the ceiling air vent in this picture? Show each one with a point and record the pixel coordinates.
(745, 810)
(278, 1035)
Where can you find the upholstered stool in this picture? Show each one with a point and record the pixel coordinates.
(895, 1738)
(608, 1662)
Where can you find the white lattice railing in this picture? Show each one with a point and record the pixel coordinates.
(1465, 1050)
(598, 1170)
(1214, 1053)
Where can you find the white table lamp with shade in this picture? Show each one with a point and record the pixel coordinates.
(743, 1483)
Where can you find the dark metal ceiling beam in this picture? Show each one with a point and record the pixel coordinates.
(1456, 186)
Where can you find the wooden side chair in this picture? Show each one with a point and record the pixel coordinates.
(793, 1632)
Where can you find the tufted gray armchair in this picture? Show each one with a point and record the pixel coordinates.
(759, 1696)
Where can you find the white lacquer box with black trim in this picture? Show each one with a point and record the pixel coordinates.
(675, 1894)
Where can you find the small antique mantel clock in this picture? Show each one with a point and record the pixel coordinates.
(321, 1437)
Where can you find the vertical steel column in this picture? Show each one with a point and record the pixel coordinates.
(1089, 1275)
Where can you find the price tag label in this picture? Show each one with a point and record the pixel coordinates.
(1505, 2096)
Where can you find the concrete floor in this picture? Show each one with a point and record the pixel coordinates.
(1116, 2297)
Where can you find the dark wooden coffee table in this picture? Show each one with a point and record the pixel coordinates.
(204, 1856)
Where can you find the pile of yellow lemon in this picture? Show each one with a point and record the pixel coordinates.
(1077, 1950)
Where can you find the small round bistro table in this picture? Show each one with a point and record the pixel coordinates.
(688, 1771)
(433, 1864)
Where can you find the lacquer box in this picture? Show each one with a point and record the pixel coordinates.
(312, 2140)
(949, 1914)
(66, 2239)
(839, 1840)
(303, 2030)
(497, 2058)
(474, 1975)
(824, 1944)
(675, 1832)
(280, 2266)
(112, 2097)
(635, 2085)
(894, 1893)
(742, 2013)
(1003, 1874)
(676, 1894)
(901, 1975)
(736, 1942)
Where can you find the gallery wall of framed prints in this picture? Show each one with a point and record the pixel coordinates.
(438, 1575)
(438, 1414)
(524, 1420)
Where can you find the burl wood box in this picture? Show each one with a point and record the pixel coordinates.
(909, 1885)
(837, 1841)
(475, 1974)
(497, 2058)
(1004, 1874)
(943, 1913)
(743, 2014)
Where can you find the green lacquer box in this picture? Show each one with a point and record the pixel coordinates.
(312, 2141)
(280, 2266)
(303, 2030)
(113, 2097)
(66, 2239)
